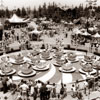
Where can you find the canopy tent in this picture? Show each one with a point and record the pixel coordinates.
(35, 32)
(33, 25)
(16, 19)
(81, 32)
(97, 35)
(92, 28)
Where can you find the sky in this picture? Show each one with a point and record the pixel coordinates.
(11, 4)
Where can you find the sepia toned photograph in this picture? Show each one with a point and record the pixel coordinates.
(49, 49)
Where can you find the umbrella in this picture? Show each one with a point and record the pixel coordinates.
(97, 35)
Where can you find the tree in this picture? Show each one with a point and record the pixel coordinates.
(35, 13)
(86, 12)
(7, 13)
(18, 12)
(74, 13)
(44, 10)
(23, 12)
(29, 11)
(40, 11)
(2, 13)
(69, 14)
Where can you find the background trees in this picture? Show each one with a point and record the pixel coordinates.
(54, 12)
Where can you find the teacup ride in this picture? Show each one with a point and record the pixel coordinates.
(87, 68)
(67, 68)
(35, 53)
(59, 62)
(41, 66)
(72, 57)
(26, 70)
(7, 69)
(33, 60)
(89, 57)
(5, 58)
(19, 59)
(58, 54)
(96, 65)
(45, 55)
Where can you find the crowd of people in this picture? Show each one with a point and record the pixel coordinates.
(29, 88)
(38, 89)
(34, 89)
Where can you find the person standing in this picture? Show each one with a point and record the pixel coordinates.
(4, 82)
(54, 90)
(35, 93)
(9, 83)
(43, 93)
(73, 91)
(24, 89)
(65, 91)
(49, 88)
(79, 95)
(85, 87)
